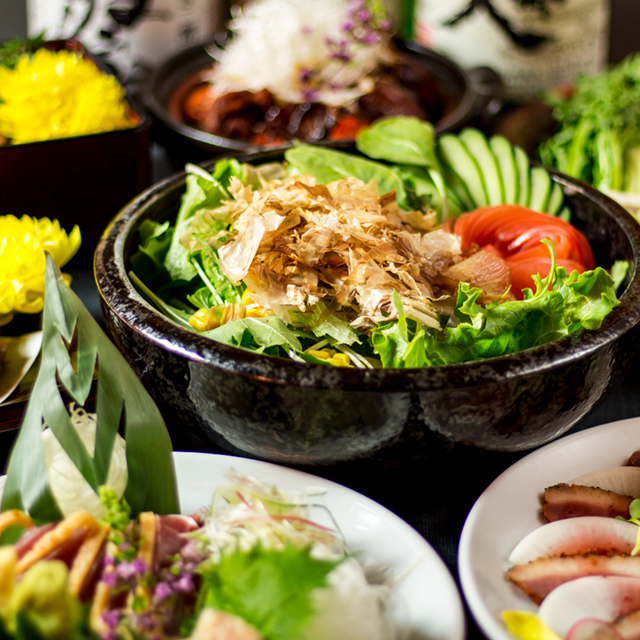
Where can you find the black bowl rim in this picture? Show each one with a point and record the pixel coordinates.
(141, 317)
(151, 96)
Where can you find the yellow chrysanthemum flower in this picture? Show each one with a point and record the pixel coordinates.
(59, 94)
(22, 261)
(526, 625)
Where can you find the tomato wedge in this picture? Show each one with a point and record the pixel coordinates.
(515, 233)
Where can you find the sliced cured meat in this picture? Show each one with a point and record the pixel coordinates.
(572, 500)
(539, 577)
(170, 538)
(62, 541)
(30, 537)
(589, 534)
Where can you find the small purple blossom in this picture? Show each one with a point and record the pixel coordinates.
(385, 24)
(162, 591)
(127, 571)
(145, 622)
(109, 578)
(108, 561)
(184, 584)
(364, 15)
(371, 37)
(125, 546)
(348, 26)
(111, 619)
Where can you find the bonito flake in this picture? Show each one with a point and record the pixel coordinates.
(296, 243)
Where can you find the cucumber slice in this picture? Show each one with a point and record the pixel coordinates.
(540, 189)
(556, 199)
(565, 214)
(479, 148)
(524, 176)
(456, 156)
(504, 152)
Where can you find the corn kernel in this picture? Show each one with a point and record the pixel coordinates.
(246, 297)
(204, 320)
(340, 360)
(320, 354)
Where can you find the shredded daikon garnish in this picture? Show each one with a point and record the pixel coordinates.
(305, 50)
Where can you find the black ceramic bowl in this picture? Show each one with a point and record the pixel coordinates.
(297, 413)
(189, 144)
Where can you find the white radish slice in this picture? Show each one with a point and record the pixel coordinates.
(622, 480)
(600, 597)
(576, 535)
(593, 630)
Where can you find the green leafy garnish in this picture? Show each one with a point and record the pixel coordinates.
(269, 589)
(73, 347)
(598, 139)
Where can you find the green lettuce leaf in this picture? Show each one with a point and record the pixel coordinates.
(269, 589)
(257, 334)
(328, 165)
(576, 302)
(203, 191)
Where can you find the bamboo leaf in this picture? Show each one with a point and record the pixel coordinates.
(73, 345)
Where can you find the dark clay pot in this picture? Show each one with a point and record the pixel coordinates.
(466, 94)
(296, 413)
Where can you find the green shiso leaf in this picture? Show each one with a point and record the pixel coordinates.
(269, 589)
(73, 346)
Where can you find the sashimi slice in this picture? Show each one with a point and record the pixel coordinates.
(622, 480)
(598, 597)
(576, 535)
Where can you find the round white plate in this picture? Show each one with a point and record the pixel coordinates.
(427, 604)
(510, 508)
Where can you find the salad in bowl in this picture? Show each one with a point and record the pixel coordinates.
(408, 261)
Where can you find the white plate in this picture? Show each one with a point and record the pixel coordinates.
(427, 605)
(510, 508)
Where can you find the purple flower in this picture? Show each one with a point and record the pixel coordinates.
(385, 24)
(364, 15)
(140, 565)
(145, 622)
(371, 38)
(108, 561)
(162, 591)
(184, 584)
(111, 619)
(109, 578)
(305, 76)
(127, 571)
(125, 546)
(348, 26)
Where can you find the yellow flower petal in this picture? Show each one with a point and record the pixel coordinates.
(57, 94)
(526, 625)
(23, 243)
